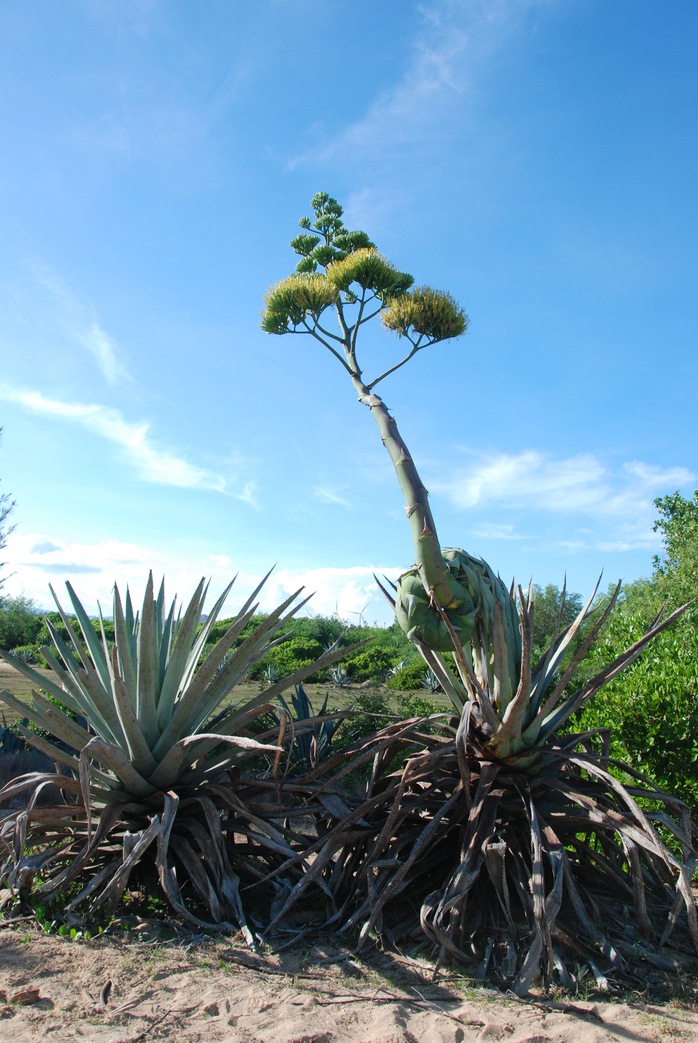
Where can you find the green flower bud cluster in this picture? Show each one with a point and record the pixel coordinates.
(333, 243)
(371, 271)
(479, 598)
(430, 313)
(291, 300)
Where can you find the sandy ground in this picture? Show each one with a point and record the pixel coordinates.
(124, 989)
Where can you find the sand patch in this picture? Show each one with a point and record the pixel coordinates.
(122, 989)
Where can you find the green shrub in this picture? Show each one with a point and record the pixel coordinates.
(409, 678)
(370, 712)
(416, 706)
(651, 710)
(370, 664)
(288, 657)
(20, 622)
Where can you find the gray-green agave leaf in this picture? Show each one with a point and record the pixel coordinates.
(146, 702)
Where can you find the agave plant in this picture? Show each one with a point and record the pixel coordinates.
(524, 850)
(591, 861)
(153, 762)
(514, 848)
(312, 732)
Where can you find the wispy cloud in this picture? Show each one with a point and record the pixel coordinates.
(151, 463)
(496, 531)
(452, 41)
(610, 508)
(348, 592)
(330, 494)
(78, 320)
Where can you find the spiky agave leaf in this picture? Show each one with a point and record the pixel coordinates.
(132, 723)
(519, 876)
(525, 852)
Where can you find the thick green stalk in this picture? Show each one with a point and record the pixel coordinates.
(429, 559)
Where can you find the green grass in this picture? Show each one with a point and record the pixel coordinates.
(18, 685)
(339, 698)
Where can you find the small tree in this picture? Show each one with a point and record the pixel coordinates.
(676, 569)
(20, 622)
(652, 709)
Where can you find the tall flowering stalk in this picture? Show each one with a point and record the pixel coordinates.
(520, 843)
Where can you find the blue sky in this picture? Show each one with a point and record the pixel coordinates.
(536, 158)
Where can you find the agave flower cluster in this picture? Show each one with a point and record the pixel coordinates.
(150, 758)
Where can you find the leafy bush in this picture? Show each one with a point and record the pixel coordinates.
(651, 710)
(20, 622)
(371, 710)
(370, 664)
(409, 678)
(416, 706)
(289, 656)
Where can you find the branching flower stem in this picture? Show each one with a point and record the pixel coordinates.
(342, 271)
(429, 559)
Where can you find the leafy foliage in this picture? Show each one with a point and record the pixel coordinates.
(409, 677)
(290, 655)
(370, 664)
(20, 622)
(651, 711)
(676, 570)
(552, 610)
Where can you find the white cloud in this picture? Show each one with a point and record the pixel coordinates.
(347, 592)
(496, 531)
(93, 568)
(133, 439)
(615, 504)
(103, 349)
(443, 63)
(530, 478)
(330, 494)
(247, 495)
(79, 321)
